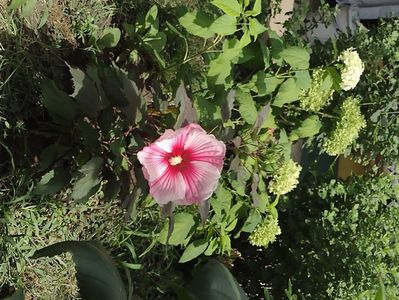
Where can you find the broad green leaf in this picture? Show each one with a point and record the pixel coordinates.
(272, 83)
(296, 57)
(308, 128)
(88, 184)
(28, 8)
(219, 70)
(213, 281)
(239, 180)
(184, 224)
(277, 46)
(287, 93)
(256, 28)
(17, 295)
(90, 100)
(156, 42)
(213, 246)
(209, 113)
(245, 40)
(229, 7)
(193, 250)
(52, 182)
(303, 79)
(16, 4)
(151, 17)
(247, 106)
(252, 221)
(58, 103)
(197, 23)
(98, 278)
(110, 38)
(224, 25)
(256, 10)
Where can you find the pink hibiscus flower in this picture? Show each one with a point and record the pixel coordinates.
(183, 166)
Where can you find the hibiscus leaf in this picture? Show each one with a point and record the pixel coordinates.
(184, 224)
(193, 250)
(89, 183)
(213, 281)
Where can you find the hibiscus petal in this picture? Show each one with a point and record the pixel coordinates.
(200, 181)
(168, 188)
(154, 161)
(205, 147)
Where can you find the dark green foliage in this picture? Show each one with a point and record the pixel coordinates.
(343, 234)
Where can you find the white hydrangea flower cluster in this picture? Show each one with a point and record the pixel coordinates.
(352, 69)
(319, 94)
(286, 178)
(265, 233)
(347, 128)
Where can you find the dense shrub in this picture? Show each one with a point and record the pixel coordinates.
(340, 238)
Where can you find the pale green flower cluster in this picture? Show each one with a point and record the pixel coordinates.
(319, 94)
(265, 233)
(286, 178)
(352, 69)
(347, 127)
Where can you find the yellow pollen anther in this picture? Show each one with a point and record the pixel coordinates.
(175, 160)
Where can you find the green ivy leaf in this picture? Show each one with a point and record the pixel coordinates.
(247, 106)
(230, 7)
(193, 250)
(183, 224)
(224, 25)
(197, 23)
(296, 57)
(254, 218)
(287, 93)
(88, 184)
(308, 128)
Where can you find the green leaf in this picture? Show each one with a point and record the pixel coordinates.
(303, 79)
(52, 182)
(197, 23)
(247, 106)
(209, 113)
(252, 221)
(193, 250)
(308, 128)
(16, 4)
(271, 84)
(98, 278)
(58, 103)
(110, 38)
(277, 46)
(255, 27)
(151, 17)
(296, 57)
(183, 224)
(88, 184)
(213, 281)
(219, 70)
(287, 93)
(224, 25)
(256, 10)
(86, 92)
(17, 295)
(213, 246)
(28, 8)
(230, 7)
